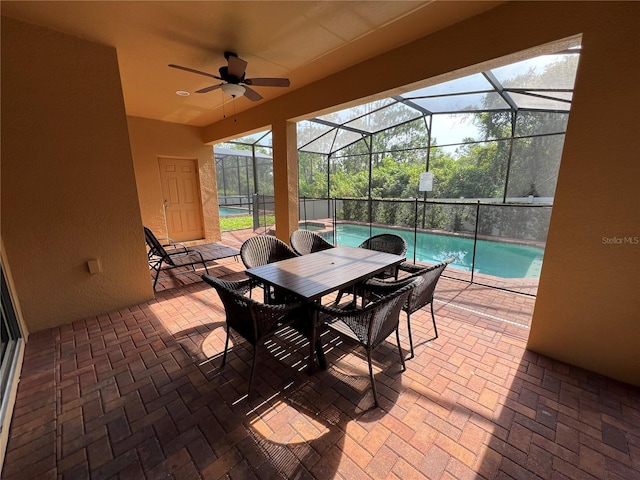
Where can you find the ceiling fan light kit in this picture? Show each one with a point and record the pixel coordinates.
(233, 90)
(233, 77)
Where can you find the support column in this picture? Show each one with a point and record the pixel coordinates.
(285, 178)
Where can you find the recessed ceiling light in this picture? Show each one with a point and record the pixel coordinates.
(182, 93)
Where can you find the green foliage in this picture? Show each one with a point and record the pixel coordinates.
(241, 222)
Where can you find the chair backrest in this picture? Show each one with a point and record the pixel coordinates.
(263, 249)
(155, 247)
(377, 320)
(423, 294)
(386, 242)
(304, 242)
(250, 318)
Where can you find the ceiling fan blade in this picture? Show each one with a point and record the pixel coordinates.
(252, 94)
(187, 69)
(237, 66)
(209, 89)
(268, 82)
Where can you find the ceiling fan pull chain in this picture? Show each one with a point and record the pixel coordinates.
(224, 114)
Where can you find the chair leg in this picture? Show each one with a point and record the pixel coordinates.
(404, 367)
(373, 381)
(155, 280)
(351, 291)
(226, 346)
(433, 318)
(410, 337)
(157, 268)
(320, 354)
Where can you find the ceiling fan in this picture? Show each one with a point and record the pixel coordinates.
(233, 77)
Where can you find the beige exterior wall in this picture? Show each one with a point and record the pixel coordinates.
(150, 140)
(587, 311)
(68, 187)
(588, 307)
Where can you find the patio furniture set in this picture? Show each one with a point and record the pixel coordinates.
(296, 280)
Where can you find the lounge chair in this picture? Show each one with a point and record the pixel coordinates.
(168, 254)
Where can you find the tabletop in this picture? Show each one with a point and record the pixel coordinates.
(317, 274)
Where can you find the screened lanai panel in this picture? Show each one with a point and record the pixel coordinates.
(234, 176)
(547, 71)
(344, 138)
(540, 123)
(384, 118)
(259, 138)
(308, 132)
(536, 102)
(480, 171)
(349, 176)
(461, 103)
(471, 83)
(407, 136)
(348, 114)
(534, 166)
(322, 144)
(312, 174)
(454, 128)
(264, 174)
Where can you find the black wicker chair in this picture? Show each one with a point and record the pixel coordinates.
(264, 249)
(371, 325)
(261, 250)
(384, 242)
(253, 320)
(421, 296)
(304, 242)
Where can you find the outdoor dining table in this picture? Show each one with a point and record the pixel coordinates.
(310, 277)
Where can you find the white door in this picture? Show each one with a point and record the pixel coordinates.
(182, 203)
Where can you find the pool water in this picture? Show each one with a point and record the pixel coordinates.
(312, 226)
(228, 211)
(499, 259)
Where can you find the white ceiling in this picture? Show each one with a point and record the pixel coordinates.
(304, 41)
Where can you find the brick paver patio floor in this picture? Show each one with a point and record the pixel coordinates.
(139, 394)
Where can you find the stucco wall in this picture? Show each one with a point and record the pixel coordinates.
(587, 311)
(588, 307)
(150, 140)
(68, 189)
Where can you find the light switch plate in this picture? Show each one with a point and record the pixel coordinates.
(94, 266)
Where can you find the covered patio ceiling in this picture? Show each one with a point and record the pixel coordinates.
(305, 41)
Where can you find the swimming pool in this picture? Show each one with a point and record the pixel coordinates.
(312, 226)
(228, 211)
(499, 259)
